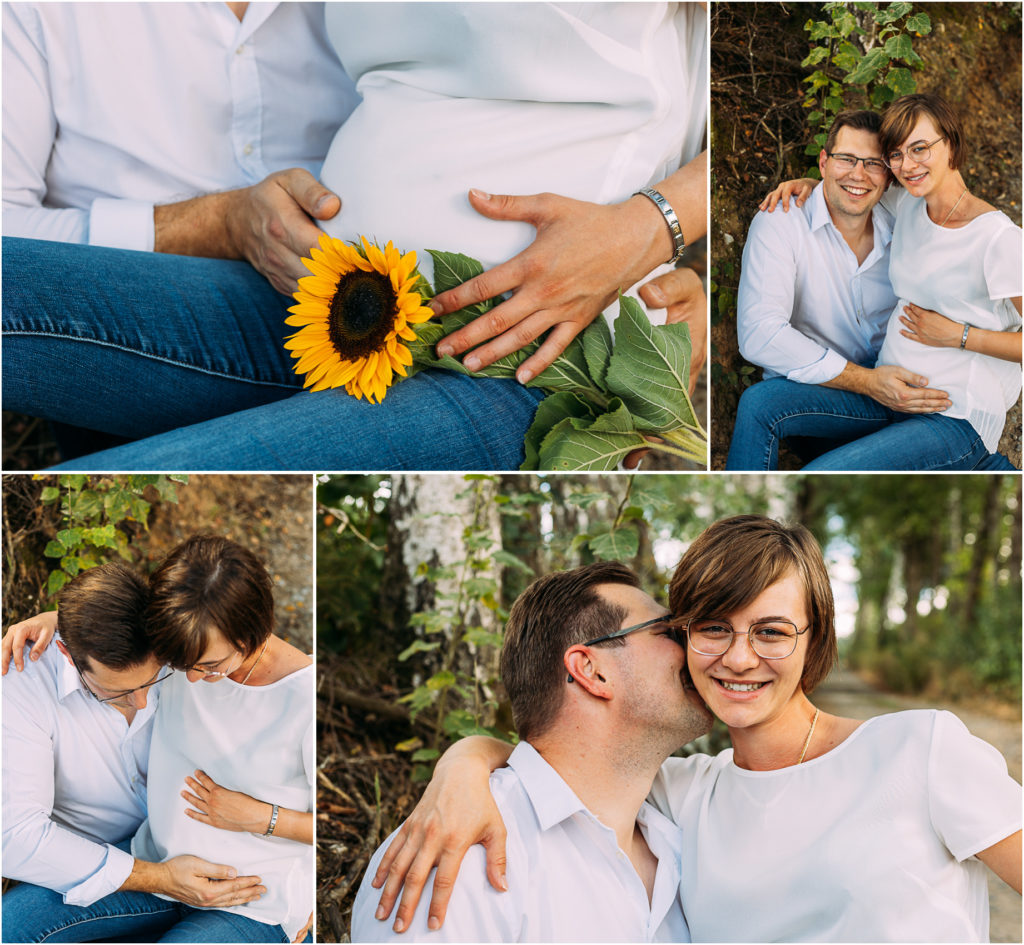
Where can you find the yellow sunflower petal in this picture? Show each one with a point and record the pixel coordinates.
(318, 286)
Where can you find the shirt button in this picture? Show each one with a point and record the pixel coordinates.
(247, 149)
(240, 50)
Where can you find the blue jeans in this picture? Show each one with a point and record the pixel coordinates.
(864, 435)
(185, 357)
(34, 914)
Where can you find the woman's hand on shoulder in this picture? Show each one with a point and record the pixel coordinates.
(583, 255)
(797, 190)
(456, 811)
(39, 629)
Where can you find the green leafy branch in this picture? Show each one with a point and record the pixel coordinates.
(866, 45)
(94, 512)
(606, 399)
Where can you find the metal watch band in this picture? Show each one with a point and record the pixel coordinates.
(670, 218)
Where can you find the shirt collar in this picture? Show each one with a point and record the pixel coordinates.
(68, 679)
(552, 799)
(818, 216)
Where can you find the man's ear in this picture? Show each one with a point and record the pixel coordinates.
(64, 650)
(822, 158)
(580, 665)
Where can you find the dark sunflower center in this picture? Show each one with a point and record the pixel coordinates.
(362, 314)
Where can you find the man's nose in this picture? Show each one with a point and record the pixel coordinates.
(139, 698)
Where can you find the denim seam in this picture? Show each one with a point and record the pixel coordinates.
(151, 357)
(102, 918)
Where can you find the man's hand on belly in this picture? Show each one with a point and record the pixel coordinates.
(195, 882)
(893, 387)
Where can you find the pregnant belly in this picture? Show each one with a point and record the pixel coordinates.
(404, 161)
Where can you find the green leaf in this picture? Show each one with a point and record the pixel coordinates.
(893, 12)
(55, 549)
(901, 81)
(616, 545)
(597, 348)
(425, 754)
(586, 499)
(480, 637)
(591, 445)
(551, 411)
(869, 67)
(417, 646)
(817, 54)
(69, 537)
(442, 680)
(919, 23)
(510, 560)
(898, 46)
(650, 370)
(452, 269)
(410, 744)
(568, 371)
(72, 481)
(56, 581)
(49, 494)
(813, 118)
(881, 95)
(86, 505)
(69, 564)
(820, 30)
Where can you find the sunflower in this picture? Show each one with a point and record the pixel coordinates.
(355, 310)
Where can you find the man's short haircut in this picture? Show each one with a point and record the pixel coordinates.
(859, 119)
(737, 558)
(209, 583)
(555, 612)
(101, 617)
(900, 117)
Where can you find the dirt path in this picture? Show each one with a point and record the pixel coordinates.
(846, 694)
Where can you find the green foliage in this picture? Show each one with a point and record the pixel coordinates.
(94, 511)
(604, 396)
(864, 46)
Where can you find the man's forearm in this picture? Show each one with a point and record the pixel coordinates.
(853, 377)
(196, 227)
(147, 877)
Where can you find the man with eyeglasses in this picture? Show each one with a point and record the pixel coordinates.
(595, 673)
(814, 300)
(76, 731)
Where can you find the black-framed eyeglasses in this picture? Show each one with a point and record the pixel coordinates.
(664, 618)
(849, 161)
(919, 152)
(120, 695)
(769, 639)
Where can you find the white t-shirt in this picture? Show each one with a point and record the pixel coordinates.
(257, 739)
(74, 780)
(590, 101)
(568, 880)
(110, 108)
(968, 274)
(872, 842)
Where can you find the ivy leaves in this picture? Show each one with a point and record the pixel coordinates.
(873, 50)
(605, 397)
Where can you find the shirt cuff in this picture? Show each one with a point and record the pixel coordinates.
(109, 878)
(122, 224)
(830, 365)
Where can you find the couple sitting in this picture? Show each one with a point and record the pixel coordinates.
(176, 688)
(235, 132)
(811, 828)
(839, 302)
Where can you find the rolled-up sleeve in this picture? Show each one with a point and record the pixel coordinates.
(36, 849)
(765, 304)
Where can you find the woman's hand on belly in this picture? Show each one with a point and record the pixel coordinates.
(583, 256)
(930, 328)
(224, 809)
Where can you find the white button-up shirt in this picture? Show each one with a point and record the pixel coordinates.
(110, 108)
(74, 781)
(568, 880)
(805, 305)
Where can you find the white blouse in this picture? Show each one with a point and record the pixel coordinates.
(587, 100)
(872, 842)
(968, 274)
(257, 739)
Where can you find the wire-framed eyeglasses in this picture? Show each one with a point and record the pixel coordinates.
(653, 622)
(919, 152)
(121, 696)
(770, 639)
(848, 162)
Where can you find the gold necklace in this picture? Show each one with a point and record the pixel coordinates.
(957, 204)
(265, 642)
(814, 722)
